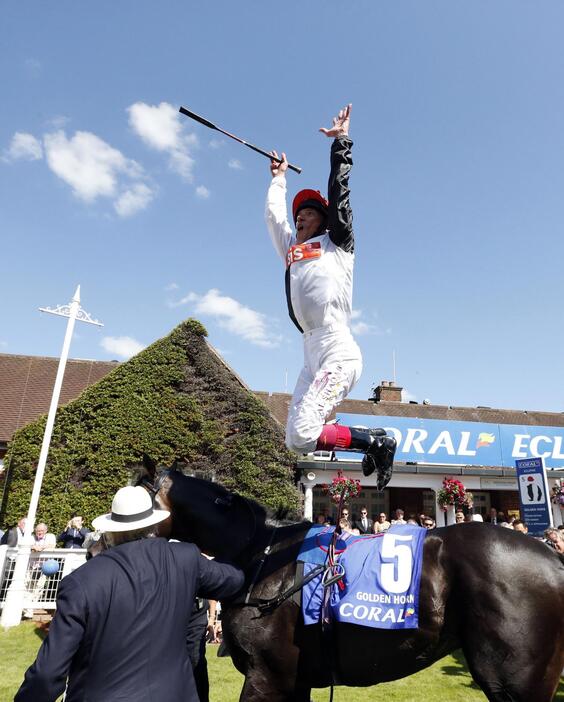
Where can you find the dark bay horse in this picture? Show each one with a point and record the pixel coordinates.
(495, 593)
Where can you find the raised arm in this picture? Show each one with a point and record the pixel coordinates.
(276, 213)
(339, 222)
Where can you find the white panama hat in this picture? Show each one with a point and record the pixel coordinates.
(132, 508)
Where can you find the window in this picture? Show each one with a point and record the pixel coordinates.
(482, 503)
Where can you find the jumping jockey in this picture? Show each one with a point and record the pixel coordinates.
(319, 262)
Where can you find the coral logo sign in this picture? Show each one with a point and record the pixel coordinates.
(465, 443)
(485, 439)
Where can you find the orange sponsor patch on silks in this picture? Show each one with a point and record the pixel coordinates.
(303, 252)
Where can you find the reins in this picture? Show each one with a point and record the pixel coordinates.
(153, 488)
(265, 605)
(332, 570)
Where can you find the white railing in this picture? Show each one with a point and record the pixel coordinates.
(40, 590)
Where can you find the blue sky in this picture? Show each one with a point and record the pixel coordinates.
(457, 187)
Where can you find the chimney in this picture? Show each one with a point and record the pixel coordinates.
(387, 391)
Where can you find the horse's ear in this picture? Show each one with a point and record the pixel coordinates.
(150, 466)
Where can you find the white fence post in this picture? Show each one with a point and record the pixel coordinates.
(32, 588)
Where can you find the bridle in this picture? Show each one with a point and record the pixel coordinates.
(153, 488)
(263, 605)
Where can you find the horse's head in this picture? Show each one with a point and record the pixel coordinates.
(220, 522)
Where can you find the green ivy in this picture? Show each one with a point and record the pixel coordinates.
(175, 400)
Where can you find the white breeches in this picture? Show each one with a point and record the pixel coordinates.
(332, 366)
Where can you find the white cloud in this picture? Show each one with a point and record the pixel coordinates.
(232, 316)
(161, 128)
(172, 286)
(235, 164)
(136, 198)
(88, 164)
(360, 327)
(216, 143)
(23, 147)
(202, 192)
(121, 346)
(3, 344)
(158, 126)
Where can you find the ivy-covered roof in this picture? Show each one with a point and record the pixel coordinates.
(175, 400)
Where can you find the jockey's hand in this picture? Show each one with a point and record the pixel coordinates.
(341, 123)
(278, 168)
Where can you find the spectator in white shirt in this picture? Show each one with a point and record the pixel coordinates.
(399, 517)
(43, 538)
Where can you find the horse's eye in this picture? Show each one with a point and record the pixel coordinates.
(223, 501)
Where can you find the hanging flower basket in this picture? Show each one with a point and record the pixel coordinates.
(453, 493)
(342, 489)
(557, 495)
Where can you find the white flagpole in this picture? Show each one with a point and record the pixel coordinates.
(13, 606)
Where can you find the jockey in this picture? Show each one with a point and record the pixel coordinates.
(319, 275)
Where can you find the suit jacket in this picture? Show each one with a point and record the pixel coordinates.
(10, 537)
(369, 524)
(73, 538)
(119, 632)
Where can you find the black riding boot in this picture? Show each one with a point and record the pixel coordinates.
(378, 449)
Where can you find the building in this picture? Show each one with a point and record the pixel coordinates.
(478, 445)
(26, 386)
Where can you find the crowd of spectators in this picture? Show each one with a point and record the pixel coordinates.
(364, 523)
(72, 537)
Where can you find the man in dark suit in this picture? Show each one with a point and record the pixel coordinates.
(14, 535)
(120, 627)
(492, 517)
(363, 523)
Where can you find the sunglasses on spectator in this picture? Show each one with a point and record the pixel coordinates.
(428, 525)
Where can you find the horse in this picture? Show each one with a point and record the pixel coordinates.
(495, 593)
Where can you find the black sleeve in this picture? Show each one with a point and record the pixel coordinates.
(340, 213)
(10, 538)
(218, 580)
(45, 678)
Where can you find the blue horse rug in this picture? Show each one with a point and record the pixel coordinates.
(380, 587)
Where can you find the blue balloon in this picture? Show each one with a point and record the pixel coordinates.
(50, 567)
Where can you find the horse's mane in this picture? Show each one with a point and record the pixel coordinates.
(282, 516)
(276, 517)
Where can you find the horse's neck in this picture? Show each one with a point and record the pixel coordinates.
(274, 538)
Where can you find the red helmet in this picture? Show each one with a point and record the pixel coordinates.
(309, 198)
